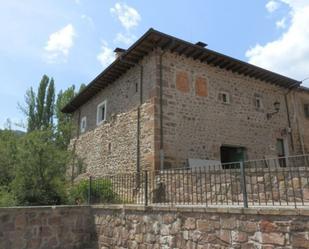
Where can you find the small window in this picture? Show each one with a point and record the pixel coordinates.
(136, 87)
(306, 110)
(83, 124)
(258, 103)
(224, 97)
(101, 112)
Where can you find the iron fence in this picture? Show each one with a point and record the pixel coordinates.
(267, 182)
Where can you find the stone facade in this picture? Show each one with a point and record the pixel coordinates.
(197, 122)
(46, 228)
(300, 122)
(119, 227)
(113, 145)
(203, 108)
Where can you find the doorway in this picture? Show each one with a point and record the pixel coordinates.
(281, 152)
(231, 154)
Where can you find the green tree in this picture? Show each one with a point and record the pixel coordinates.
(65, 125)
(40, 171)
(39, 107)
(8, 156)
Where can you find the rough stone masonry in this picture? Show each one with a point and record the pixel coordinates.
(120, 227)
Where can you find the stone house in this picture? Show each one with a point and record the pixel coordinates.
(166, 103)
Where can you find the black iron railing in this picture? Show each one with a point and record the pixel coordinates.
(268, 182)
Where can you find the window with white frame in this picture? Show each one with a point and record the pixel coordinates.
(101, 112)
(224, 97)
(83, 124)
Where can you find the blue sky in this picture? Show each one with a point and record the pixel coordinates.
(72, 40)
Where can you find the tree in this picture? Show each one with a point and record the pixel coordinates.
(40, 171)
(8, 156)
(39, 107)
(65, 126)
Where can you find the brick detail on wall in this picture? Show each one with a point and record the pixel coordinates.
(201, 87)
(182, 81)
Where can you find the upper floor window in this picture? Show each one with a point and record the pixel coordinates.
(306, 110)
(258, 103)
(83, 124)
(224, 97)
(101, 112)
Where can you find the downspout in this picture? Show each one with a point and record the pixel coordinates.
(288, 114)
(138, 150)
(300, 131)
(161, 151)
(74, 145)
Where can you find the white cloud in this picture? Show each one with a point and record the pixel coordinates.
(59, 44)
(289, 54)
(272, 6)
(126, 39)
(128, 16)
(106, 55)
(281, 24)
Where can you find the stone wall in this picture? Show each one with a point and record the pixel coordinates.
(122, 96)
(264, 187)
(197, 228)
(46, 228)
(300, 122)
(119, 227)
(197, 122)
(112, 146)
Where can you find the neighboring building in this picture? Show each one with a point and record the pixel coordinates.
(165, 102)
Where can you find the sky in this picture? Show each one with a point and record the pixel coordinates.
(73, 40)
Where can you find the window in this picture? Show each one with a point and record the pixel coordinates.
(258, 103)
(83, 124)
(101, 112)
(306, 110)
(224, 97)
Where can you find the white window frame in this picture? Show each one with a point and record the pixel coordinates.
(99, 107)
(227, 97)
(83, 121)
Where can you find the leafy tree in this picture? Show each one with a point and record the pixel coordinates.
(65, 126)
(82, 87)
(40, 172)
(39, 107)
(8, 156)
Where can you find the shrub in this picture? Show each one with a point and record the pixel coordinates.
(7, 199)
(40, 171)
(101, 192)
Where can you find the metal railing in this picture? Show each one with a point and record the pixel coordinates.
(267, 182)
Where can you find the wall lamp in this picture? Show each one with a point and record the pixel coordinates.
(277, 108)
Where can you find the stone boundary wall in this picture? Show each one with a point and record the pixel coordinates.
(264, 187)
(118, 226)
(197, 228)
(46, 227)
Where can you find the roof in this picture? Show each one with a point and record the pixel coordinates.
(154, 39)
(303, 89)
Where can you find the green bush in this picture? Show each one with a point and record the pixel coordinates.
(101, 192)
(40, 170)
(7, 199)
